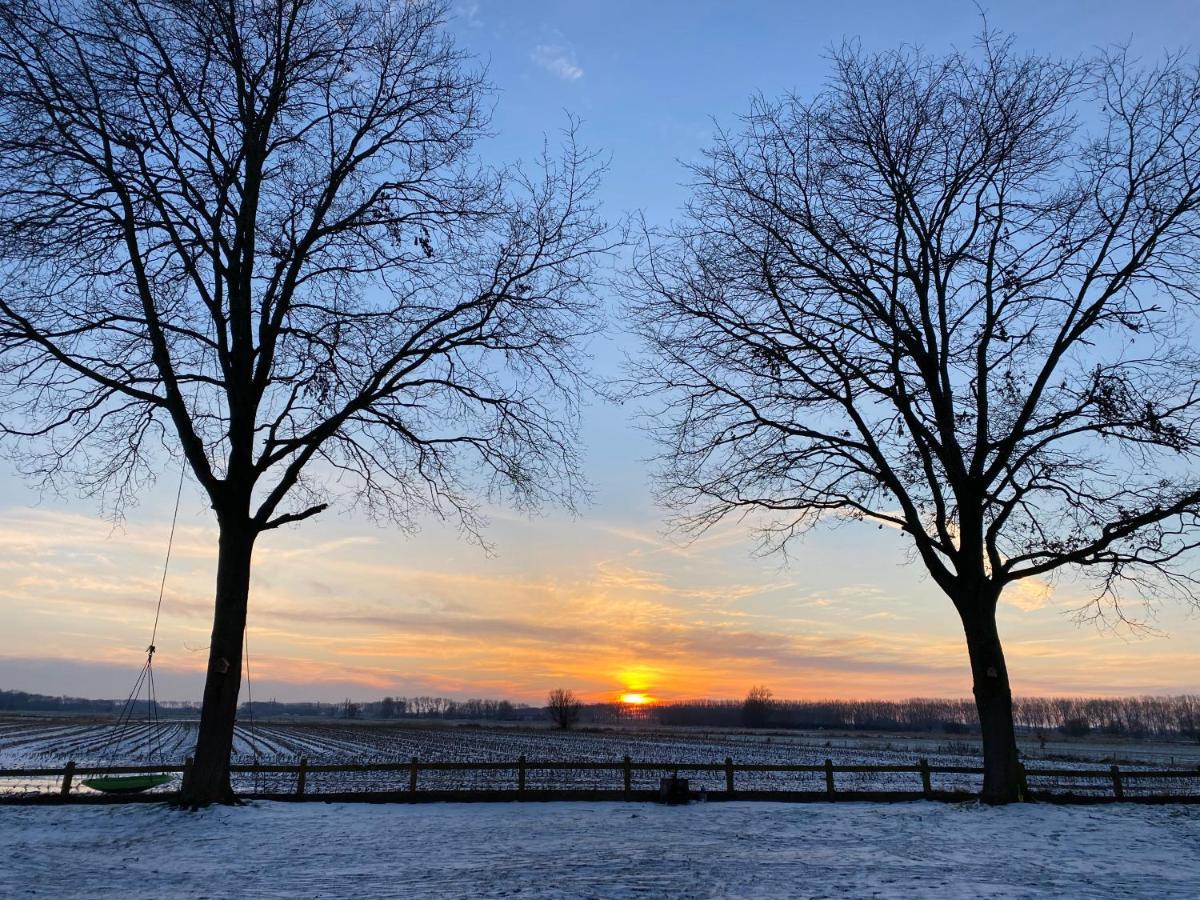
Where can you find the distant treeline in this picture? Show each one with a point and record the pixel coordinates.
(22, 701)
(397, 708)
(1138, 717)
(1077, 716)
(387, 708)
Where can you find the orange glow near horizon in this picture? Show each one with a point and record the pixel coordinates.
(661, 626)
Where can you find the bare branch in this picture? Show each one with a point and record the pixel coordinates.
(929, 298)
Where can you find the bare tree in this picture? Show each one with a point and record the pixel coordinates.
(756, 708)
(563, 707)
(253, 233)
(950, 296)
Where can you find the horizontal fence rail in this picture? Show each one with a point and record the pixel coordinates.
(1111, 783)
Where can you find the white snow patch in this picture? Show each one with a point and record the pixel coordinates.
(602, 849)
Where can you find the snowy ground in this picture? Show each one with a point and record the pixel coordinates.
(602, 850)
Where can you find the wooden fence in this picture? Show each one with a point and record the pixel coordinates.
(408, 787)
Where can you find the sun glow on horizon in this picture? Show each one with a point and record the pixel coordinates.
(636, 699)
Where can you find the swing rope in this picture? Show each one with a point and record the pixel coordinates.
(124, 719)
(250, 707)
(145, 678)
(154, 737)
(162, 586)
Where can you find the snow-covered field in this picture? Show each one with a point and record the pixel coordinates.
(602, 850)
(29, 742)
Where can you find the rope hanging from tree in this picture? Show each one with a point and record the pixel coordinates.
(250, 708)
(124, 725)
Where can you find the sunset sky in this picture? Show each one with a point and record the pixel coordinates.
(603, 603)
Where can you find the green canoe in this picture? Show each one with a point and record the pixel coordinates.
(125, 784)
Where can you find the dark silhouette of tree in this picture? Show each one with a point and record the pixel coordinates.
(253, 234)
(563, 707)
(756, 708)
(1076, 728)
(950, 296)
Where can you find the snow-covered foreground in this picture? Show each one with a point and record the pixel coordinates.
(602, 849)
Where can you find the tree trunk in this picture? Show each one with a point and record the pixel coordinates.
(209, 780)
(1002, 778)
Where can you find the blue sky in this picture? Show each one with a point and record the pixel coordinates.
(651, 80)
(602, 603)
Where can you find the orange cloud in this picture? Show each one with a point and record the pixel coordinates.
(620, 612)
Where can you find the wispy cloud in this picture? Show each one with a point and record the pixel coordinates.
(334, 613)
(1029, 595)
(558, 60)
(469, 12)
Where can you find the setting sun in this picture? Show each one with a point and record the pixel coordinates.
(637, 699)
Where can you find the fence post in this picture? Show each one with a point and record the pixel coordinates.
(729, 775)
(187, 772)
(68, 774)
(1118, 788)
(829, 778)
(521, 773)
(302, 776)
(412, 776)
(926, 783)
(628, 776)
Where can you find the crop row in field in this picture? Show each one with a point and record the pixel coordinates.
(26, 742)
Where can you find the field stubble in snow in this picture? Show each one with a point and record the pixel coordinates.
(34, 742)
(602, 850)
